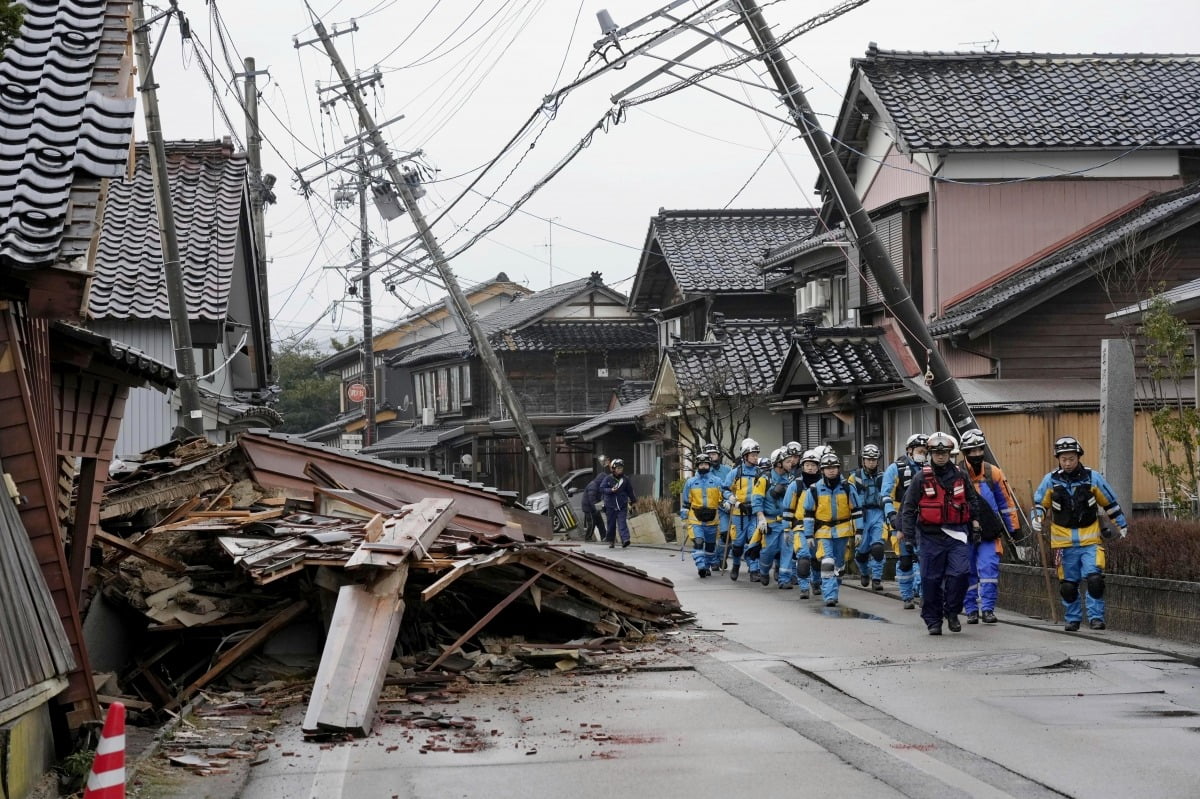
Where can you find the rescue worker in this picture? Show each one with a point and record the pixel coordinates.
(617, 491)
(721, 471)
(941, 511)
(1073, 496)
(743, 482)
(795, 452)
(810, 474)
(984, 584)
(896, 479)
(593, 504)
(868, 481)
(832, 517)
(769, 508)
(793, 519)
(698, 504)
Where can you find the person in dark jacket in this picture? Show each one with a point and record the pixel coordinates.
(593, 505)
(941, 513)
(617, 491)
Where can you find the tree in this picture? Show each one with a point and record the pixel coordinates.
(11, 17)
(1170, 364)
(308, 398)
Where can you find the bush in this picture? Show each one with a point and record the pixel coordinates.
(1165, 549)
(660, 508)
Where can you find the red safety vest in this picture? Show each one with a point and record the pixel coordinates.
(939, 506)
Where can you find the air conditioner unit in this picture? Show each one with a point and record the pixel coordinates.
(427, 417)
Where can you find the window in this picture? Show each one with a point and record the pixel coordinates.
(645, 457)
(906, 421)
(453, 373)
(465, 383)
(442, 391)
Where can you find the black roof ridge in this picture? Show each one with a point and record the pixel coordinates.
(718, 213)
(873, 52)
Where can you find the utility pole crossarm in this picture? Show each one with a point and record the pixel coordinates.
(875, 257)
(483, 346)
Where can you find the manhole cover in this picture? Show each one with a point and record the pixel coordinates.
(1027, 660)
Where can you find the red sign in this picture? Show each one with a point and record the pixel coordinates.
(356, 392)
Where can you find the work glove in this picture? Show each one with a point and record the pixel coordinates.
(1124, 531)
(778, 490)
(762, 526)
(857, 540)
(746, 508)
(726, 506)
(1036, 524)
(599, 507)
(683, 513)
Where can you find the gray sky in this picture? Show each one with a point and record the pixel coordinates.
(468, 75)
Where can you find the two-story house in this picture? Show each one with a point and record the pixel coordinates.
(563, 350)
(395, 409)
(1022, 197)
(227, 309)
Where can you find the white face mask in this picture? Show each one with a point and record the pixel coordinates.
(918, 457)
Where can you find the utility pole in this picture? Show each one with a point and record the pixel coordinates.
(192, 417)
(258, 188)
(533, 445)
(896, 297)
(368, 343)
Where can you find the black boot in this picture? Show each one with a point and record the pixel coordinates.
(953, 623)
(733, 573)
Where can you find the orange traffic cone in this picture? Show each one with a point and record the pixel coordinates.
(107, 779)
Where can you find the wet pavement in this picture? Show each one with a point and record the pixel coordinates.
(774, 695)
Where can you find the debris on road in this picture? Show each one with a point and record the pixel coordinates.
(419, 581)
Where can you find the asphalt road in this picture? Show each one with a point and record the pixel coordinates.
(770, 695)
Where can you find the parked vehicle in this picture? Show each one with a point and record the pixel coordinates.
(573, 482)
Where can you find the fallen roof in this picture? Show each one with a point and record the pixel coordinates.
(1060, 270)
(121, 356)
(65, 124)
(628, 414)
(966, 101)
(208, 195)
(420, 439)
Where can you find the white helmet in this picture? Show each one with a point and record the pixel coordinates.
(973, 438)
(830, 458)
(941, 442)
(810, 455)
(793, 448)
(778, 455)
(870, 451)
(748, 445)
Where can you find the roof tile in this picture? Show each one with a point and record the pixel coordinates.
(1033, 100)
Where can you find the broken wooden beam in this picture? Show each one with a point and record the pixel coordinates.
(116, 542)
(240, 650)
(366, 621)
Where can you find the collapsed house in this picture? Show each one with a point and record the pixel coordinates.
(209, 550)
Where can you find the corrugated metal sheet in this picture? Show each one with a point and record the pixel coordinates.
(149, 415)
(983, 232)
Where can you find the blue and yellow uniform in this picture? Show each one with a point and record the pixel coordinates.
(699, 503)
(832, 517)
(743, 483)
(775, 543)
(894, 483)
(870, 551)
(793, 517)
(984, 586)
(1073, 501)
(721, 472)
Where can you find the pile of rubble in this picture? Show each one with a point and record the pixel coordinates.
(212, 550)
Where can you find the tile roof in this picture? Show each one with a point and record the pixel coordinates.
(830, 237)
(716, 251)
(418, 439)
(629, 390)
(65, 124)
(208, 195)
(122, 356)
(629, 413)
(743, 360)
(1050, 270)
(335, 426)
(235, 414)
(511, 317)
(605, 334)
(846, 357)
(957, 101)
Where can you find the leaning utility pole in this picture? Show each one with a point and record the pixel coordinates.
(260, 189)
(533, 445)
(368, 343)
(896, 297)
(192, 418)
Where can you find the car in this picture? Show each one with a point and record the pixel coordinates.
(573, 482)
